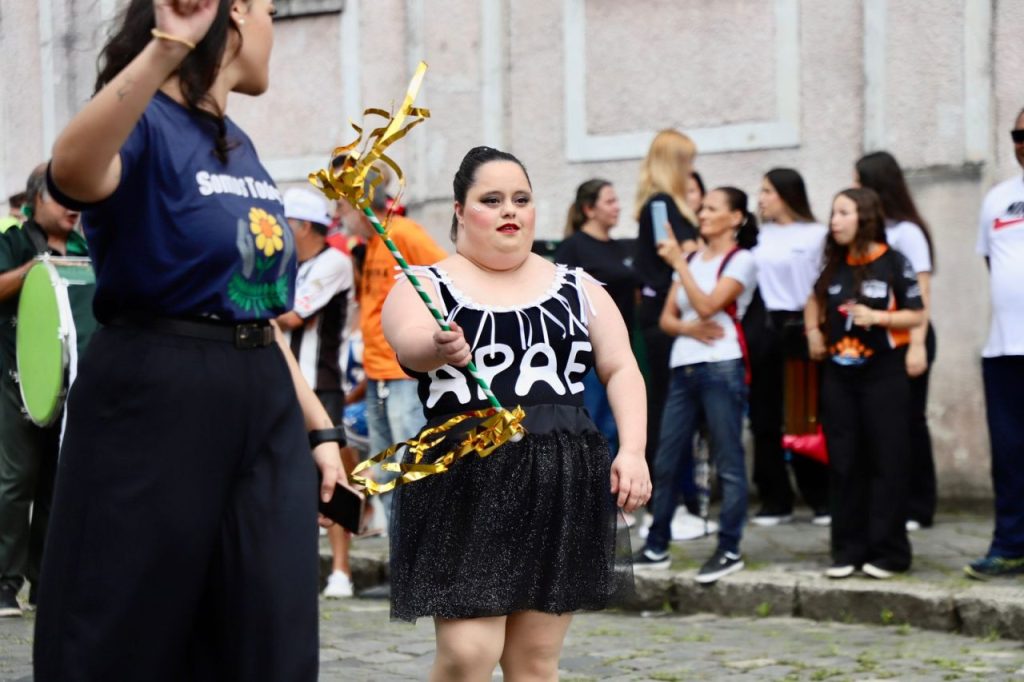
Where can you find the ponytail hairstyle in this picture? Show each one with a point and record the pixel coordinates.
(586, 197)
(466, 175)
(881, 172)
(870, 230)
(746, 234)
(196, 73)
(789, 185)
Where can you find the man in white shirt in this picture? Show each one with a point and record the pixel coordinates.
(1001, 242)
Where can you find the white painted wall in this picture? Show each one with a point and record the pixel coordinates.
(576, 88)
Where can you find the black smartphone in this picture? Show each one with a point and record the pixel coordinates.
(346, 507)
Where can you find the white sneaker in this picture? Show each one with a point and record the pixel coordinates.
(771, 520)
(686, 526)
(338, 586)
(913, 525)
(823, 520)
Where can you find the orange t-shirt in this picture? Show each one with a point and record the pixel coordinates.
(379, 271)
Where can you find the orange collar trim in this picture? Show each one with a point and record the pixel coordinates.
(876, 252)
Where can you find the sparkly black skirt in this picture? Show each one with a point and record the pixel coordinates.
(531, 527)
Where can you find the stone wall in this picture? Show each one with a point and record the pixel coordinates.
(576, 88)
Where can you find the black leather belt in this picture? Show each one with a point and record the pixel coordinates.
(245, 335)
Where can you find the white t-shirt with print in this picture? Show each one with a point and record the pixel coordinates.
(789, 260)
(1001, 240)
(908, 238)
(741, 267)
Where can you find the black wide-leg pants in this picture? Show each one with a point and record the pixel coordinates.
(865, 415)
(785, 339)
(183, 537)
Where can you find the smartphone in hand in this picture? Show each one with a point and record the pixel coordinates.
(659, 216)
(346, 507)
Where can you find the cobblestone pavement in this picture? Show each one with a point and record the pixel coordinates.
(359, 643)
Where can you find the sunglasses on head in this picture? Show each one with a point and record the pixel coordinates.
(1017, 135)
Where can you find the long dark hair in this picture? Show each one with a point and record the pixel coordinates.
(196, 73)
(746, 235)
(586, 197)
(870, 230)
(466, 175)
(789, 185)
(881, 172)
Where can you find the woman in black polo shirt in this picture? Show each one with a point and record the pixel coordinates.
(859, 316)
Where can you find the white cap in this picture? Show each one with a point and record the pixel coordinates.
(305, 204)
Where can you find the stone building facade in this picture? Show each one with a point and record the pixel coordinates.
(577, 88)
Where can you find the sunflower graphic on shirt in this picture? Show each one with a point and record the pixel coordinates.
(265, 247)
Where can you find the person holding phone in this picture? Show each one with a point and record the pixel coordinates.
(185, 490)
(501, 551)
(858, 319)
(711, 290)
(664, 181)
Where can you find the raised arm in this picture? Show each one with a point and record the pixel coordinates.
(85, 163)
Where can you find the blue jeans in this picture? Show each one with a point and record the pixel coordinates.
(393, 413)
(1004, 404)
(717, 389)
(595, 399)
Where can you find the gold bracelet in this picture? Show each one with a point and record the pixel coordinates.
(157, 33)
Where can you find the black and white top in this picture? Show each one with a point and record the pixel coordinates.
(883, 281)
(322, 289)
(533, 354)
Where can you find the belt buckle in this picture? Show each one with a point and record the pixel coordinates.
(248, 336)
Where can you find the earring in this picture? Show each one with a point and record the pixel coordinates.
(241, 23)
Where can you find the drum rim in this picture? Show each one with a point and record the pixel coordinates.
(59, 292)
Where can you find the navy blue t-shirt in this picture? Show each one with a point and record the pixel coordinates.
(185, 235)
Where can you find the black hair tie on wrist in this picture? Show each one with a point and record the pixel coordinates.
(335, 434)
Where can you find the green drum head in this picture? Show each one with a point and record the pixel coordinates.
(40, 349)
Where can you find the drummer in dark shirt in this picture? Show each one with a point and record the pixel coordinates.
(28, 453)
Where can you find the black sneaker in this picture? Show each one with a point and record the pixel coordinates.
(646, 560)
(721, 564)
(9, 602)
(990, 567)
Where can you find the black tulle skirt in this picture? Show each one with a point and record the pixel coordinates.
(531, 527)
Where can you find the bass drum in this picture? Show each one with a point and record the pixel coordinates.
(54, 324)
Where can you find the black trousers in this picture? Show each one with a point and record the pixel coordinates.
(659, 348)
(922, 495)
(28, 463)
(785, 339)
(183, 537)
(865, 414)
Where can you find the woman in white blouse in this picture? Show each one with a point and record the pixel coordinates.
(789, 258)
(907, 232)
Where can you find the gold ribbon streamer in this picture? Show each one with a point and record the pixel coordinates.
(497, 429)
(348, 181)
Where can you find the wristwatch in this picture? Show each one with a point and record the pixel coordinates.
(332, 435)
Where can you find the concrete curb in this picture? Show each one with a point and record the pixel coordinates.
(980, 611)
